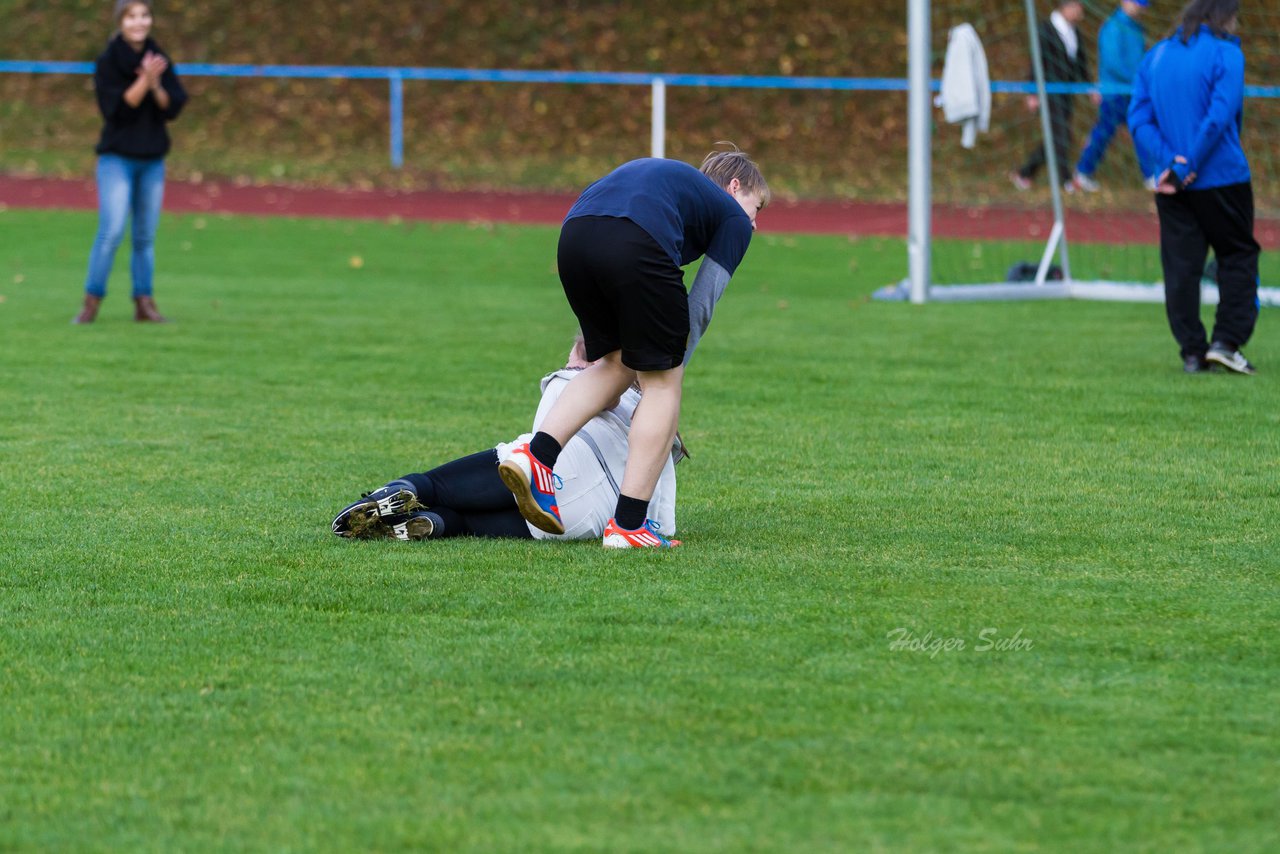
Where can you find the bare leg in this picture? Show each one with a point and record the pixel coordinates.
(653, 428)
(595, 389)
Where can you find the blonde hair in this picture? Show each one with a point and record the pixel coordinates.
(722, 166)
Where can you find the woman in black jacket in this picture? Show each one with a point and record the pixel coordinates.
(138, 94)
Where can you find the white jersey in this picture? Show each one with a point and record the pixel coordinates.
(590, 468)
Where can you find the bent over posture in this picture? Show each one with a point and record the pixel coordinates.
(621, 249)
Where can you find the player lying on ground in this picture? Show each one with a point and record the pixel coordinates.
(467, 497)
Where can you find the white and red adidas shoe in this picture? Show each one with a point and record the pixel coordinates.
(644, 537)
(534, 486)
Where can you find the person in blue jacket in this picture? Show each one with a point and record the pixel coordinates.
(621, 250)
(1186, 115)
(1121, 43)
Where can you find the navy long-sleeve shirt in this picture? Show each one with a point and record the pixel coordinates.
(687, 214)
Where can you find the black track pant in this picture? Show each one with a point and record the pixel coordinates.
(470, 497)
(1060, 111)
(1190, 223)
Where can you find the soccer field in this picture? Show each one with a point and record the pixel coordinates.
(955, 577)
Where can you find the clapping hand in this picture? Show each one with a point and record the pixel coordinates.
(153, 67)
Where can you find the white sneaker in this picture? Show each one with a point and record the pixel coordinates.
(646, 536)
(1087, 183)
(1229, 358)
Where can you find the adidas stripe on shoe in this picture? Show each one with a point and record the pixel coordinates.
(644, 537)
(534, 487)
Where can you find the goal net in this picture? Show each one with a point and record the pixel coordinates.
(985, 228)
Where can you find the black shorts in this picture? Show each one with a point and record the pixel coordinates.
(626, 291)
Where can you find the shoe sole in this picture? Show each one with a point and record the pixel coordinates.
(374, 527)
(1246, 369)
(364, 521)
(514, 478)
(417, 528)
(619, 542)
(399, 503)
(360, 523)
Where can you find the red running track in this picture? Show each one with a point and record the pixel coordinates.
(854, 219)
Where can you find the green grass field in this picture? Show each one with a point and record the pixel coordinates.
(191, 661)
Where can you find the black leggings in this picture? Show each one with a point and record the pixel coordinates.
(471, 498)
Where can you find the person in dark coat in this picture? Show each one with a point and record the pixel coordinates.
(139, 94)
(1065, 60)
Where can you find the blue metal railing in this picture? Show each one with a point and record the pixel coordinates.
(396, 76)
(483, 75)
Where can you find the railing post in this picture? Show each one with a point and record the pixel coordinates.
(658, 143)
(919, 155)
(397, 119)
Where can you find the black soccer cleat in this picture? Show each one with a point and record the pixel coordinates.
(376, 514)
(416, 526)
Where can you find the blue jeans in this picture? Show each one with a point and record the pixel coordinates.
(1113, 112)
(126, 186)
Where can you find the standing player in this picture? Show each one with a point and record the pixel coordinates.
(621, 249)
(1186, 114)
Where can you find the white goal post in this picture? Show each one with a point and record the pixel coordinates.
(918, 287)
